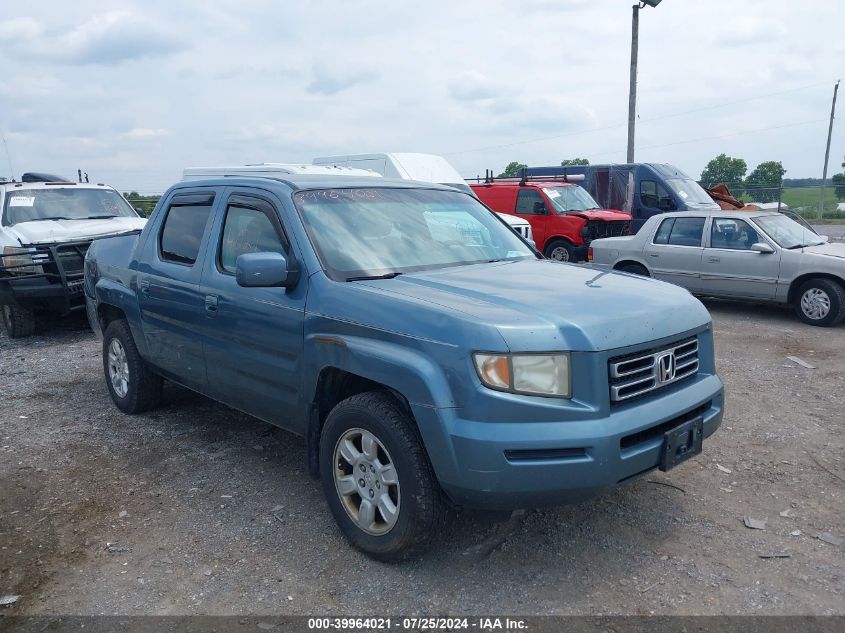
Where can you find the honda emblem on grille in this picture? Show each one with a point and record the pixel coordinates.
(666, 368)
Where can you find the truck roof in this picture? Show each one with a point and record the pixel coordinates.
(299, 182)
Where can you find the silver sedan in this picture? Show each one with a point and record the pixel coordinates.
(762, 256)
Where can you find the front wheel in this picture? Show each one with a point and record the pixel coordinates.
(820, 302)
(18, 320)
(377, 478)
(561, 251)
(132, 386)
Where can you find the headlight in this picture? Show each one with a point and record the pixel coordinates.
(530, 374)
(18, 261)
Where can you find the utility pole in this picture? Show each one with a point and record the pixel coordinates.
(632, 91)
(827, 149)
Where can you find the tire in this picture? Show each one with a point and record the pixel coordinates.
(345, 463)
(132, 386)
(560, 251)
(634, 269)
(18, 320)
(820, 302)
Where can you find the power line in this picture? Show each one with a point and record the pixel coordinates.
(710, 138)
(648, 120)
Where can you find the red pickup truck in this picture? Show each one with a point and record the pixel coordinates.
(564, 218)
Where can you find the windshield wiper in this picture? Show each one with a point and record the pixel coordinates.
(368, 277)
(99, 217)
(56, 217)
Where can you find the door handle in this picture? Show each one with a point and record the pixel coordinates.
(211, 305)
(713, 259)
(144, 287)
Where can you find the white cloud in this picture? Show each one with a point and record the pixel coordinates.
(141, 90)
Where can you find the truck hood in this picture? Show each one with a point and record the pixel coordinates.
(830, 249)
(539, 305)
(53, 231)
(604, 215)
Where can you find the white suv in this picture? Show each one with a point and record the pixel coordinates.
(46, 226)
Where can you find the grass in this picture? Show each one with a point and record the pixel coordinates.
(805, 200)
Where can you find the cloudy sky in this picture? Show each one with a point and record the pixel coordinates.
(135, 91)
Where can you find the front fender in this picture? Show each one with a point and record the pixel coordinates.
(406, 370)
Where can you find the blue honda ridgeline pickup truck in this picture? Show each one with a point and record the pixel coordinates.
(426, 352)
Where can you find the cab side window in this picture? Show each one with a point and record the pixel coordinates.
(248, 230)
(184, 226)
(654, 195)
(732, 234)
(680, 232)
(530, 202)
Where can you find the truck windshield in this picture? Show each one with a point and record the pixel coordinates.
(570, 199)
(64, 203)
(378, 232)
(787, 232)
(689, 191)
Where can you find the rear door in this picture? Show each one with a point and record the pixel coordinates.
(674, 252)
(731, 269)
(169, 286)
(253, 336)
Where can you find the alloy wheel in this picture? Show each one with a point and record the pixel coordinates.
(118, 368)
(366, 481)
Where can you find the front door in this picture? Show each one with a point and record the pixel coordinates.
(730, 268)
(531, 206)
(253, 336)
(653, 199)
(673, 253)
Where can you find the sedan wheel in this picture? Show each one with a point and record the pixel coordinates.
(815, 304)
(820, 302)
(366, 481)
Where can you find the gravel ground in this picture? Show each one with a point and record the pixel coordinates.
(198, 509)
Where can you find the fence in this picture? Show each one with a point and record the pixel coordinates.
(802, 200)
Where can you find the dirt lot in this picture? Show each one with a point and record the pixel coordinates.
(198, 509)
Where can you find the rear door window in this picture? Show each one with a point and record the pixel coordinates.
(686, 232)
(184, 226)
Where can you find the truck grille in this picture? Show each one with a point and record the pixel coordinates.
(636, 375)
(596, 229)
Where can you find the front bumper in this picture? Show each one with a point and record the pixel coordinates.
(518, 465)
(39, 291)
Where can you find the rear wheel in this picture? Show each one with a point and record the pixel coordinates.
(18, 320)
(132, 386)
(634, 269)
(377, 478)
(560, 250)
(820, 302)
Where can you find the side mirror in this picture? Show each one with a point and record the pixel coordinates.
(539, 207)
(824, 238)
(265, 270)
(760, 247)
(140, 212)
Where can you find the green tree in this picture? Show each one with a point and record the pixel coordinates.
(725, 169)
(574, 161)
(512, 170)
(763, 183)
(144, 204)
